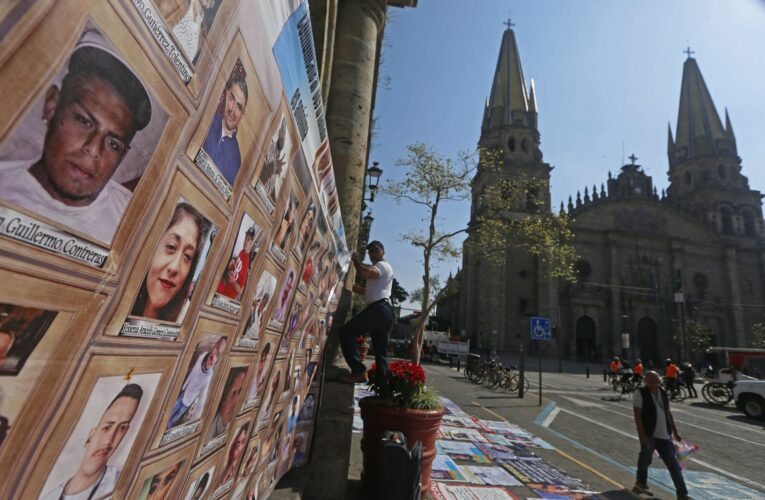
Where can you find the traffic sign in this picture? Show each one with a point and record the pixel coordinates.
(540, 328)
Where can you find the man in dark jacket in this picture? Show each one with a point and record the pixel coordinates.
(654, 424)
(688, 375)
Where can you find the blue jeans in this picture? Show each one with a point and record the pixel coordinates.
(667, 453)
(179, 410)
(377, 319)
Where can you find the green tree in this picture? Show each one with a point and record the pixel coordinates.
(397, 293)
(757, 339)
(431, 180)
(698, 337)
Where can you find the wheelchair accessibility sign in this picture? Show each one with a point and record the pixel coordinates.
(540, 328)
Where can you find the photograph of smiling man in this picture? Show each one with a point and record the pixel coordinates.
(166, 289)
(220, 154)
(90, 464)
(78, 154)
(228, 293)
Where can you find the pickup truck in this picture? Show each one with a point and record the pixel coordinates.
(750, 397)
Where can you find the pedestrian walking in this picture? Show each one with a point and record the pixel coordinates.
(688, 375)
(655, 428)
(376, 318)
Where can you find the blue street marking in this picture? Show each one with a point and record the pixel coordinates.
(706, 485)
(542, 416)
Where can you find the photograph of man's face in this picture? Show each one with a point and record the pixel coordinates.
(167, 287)
(235, 274)
(229, 402)
(97, 449)
(283, 299)
(159, 486)
(222, 141)
(190, 401)
(264, 292)
(78, 154)
(199, 487)
(21, 329)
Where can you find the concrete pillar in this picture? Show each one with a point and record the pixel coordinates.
(359, 31)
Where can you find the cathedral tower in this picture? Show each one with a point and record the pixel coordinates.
(704, 166)
(494, 296)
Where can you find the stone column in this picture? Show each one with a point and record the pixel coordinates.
(731, 266)
(360, 26)
(614, 337)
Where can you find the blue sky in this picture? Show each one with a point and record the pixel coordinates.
(607, 76)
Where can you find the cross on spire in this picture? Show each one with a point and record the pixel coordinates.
(632, 157)
(689, 52)
(509, 23)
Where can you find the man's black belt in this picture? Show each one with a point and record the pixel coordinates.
(385, 300)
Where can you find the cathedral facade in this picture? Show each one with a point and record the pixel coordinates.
(649, 262)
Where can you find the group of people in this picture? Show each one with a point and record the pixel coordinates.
(674, 375)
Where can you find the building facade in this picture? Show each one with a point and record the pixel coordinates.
(648, 262)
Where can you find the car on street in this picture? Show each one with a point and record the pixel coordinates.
(750, 397)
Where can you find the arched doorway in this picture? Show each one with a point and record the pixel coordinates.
(648, 341)
(585, 338)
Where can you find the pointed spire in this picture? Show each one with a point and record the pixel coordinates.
(594, 192)
(663, 193)
(508, 101)
(728, 126)
(586, 195)
(578, 199)
(562, 210)
(570, 204)
(699, 131)
(533, 98)
(670, 140)
(602, 190)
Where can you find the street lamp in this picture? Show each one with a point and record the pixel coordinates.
(371, 182)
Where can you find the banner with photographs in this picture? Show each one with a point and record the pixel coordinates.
(170, 243)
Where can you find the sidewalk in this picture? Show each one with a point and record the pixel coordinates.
(473, 453)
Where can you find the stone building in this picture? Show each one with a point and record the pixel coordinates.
(648, 261)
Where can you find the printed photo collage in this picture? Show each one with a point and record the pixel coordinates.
(167, 254)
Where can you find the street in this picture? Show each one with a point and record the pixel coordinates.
(594, 434)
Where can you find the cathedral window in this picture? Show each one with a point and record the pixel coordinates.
(727, 220)
(511, 144)
(721, 171)
(748, 223)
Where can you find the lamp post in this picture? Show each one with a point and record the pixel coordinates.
(371, 182)
(680, 301)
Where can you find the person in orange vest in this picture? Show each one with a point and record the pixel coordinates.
(615, 367)
(671, 372)
(638, 371)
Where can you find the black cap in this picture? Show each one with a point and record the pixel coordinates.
(375, 243)
(251, 231)
(93, 60)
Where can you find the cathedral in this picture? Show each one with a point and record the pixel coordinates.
(648, 262)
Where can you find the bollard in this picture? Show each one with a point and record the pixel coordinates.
(459, 361)
(604, 375)
(588, 371)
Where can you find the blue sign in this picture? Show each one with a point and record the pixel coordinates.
(540, 328)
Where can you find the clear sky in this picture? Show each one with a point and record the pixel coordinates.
(607, 76)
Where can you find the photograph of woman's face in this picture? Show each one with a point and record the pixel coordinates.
(171, 269)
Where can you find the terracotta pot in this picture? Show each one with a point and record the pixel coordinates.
(417, 425)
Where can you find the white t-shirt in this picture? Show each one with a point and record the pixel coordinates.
(98, 220)
(660, 431)
(196, 385)
(106, 486)
(379, 288)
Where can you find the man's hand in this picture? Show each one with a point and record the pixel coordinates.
(644, 440)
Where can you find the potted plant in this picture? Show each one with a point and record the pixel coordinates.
(413, 409)
(363, 346)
